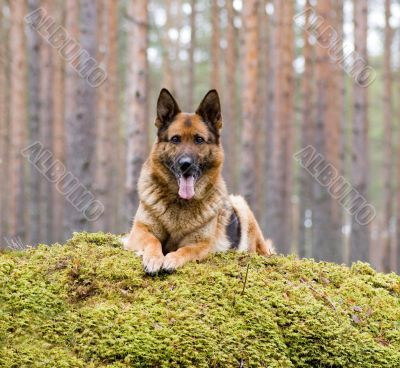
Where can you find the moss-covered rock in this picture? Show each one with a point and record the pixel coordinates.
(89, 304)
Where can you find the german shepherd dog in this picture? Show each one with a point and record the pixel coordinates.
(185, 211)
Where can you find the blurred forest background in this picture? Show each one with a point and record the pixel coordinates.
(74, 131)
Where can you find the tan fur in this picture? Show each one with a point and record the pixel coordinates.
(168, 231)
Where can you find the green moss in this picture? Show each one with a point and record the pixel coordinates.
(89, 304)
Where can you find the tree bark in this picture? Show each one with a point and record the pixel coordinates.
(192, 48)
(288, 123)
(137, 101)
(168, 80)
(230, 114)
(249, 101)
(327, 242)
(81, 129)
(34, 44)
(18, 120)
(359, 242)
(398, 186)
(307, 138)
(262, 107)
(113, 115)
(103, 141)
(46, 116)
(58, 127)
(280, 189)
(388, 147)
(215, 46)
(71, 80)
(4, 133)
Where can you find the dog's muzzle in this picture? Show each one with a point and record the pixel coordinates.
(187, 172)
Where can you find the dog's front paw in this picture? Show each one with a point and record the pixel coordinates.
(172, 261)
(152, 264)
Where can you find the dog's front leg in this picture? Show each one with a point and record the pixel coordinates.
(192, 252)
(144, 243)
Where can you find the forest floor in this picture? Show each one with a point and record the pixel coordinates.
(88, 304)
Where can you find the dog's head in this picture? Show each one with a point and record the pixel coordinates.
(188, 144)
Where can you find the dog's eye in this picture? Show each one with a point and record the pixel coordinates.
(199, 140)
(175, 139)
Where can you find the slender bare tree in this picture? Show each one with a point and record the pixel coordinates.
(287, 138)
(398, 186)
(192, 48)
(215, 46)
(71, 80)
(307, 129)
(274, 169)
(327, 242)
(168, 80)
(3, 127)
(33, 42)
(46, 117)
(249, 100)
(262, 107)
(58, 125)
(18, 120)
(280, 188)
(230, 106)
(80, 148)
(137, 100)
(359, 243)
(116, 153)
(104, 133)
(388, 146)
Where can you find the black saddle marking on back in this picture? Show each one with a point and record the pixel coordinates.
(233, 230)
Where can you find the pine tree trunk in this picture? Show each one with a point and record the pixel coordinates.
(192, 47)
(3, 128)
(388, 149)
(58, 126)
(262, 107)
(80, 131)
(215, 48)
(17, 120)
(137, 101)
(288, 123)
(280, 188)
(275, 177)
(113, 113)
(398, 185)
(103, 142)
(230, 111)
(34, 45)
(333, 136)
(71, 81)
(176, 47)
(327, 240)
(359, 242)
(267, 123)
(307, 138)
(46, 132)
(168, 80)
(249, 101)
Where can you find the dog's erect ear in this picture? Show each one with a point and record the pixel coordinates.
(210, 109)
(167, 108)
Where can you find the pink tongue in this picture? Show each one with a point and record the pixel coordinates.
(186, 187)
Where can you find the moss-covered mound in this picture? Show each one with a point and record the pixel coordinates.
(89, 304)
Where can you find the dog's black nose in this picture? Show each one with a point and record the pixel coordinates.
(185, 163)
